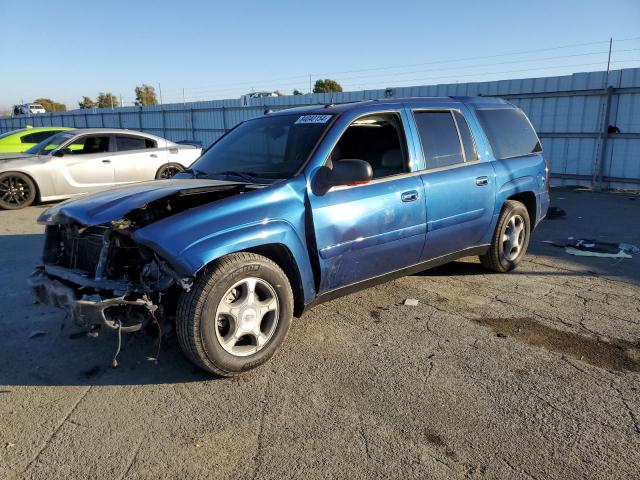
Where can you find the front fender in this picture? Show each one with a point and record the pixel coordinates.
(195, 256)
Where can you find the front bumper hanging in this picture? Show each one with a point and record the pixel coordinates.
(86, 311)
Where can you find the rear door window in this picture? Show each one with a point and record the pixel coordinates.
(126, 142)
(439, 138)
(509, 132)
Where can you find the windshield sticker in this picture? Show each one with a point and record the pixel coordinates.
(313, 119)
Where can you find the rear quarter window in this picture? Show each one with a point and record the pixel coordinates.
(37, 137)
(509, 132)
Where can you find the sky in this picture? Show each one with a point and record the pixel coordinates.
(66, 49)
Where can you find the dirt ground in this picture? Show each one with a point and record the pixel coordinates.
(533, 374)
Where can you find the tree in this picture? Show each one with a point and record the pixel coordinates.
(51, 106)
(297, 92)
(146, 95)
(107, 100)
(326, 86)
(86, 102)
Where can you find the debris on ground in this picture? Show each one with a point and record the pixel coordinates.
(37, 333)
(590, 253)
(9, 445)
(555, 212)
(595, 248)
(411, 302)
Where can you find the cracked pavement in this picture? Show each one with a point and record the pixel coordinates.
(483, 379)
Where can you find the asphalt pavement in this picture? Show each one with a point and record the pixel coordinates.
(533, 374)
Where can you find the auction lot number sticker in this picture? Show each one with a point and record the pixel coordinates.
(313, 119)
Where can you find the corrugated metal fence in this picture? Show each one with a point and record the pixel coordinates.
(589, 123)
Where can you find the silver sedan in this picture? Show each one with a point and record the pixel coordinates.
(88, 160)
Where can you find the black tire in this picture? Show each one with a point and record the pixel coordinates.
(196, 322)
(168, 170)
(17, 191)
(496, 259)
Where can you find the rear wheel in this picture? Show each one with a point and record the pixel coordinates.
(168, 170)
(510, 239)
(17, 190)
(236, 315)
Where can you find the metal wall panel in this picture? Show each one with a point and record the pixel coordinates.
(567, 111)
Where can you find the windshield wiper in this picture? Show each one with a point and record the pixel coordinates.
(249, 177)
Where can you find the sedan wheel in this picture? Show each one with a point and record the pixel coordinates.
(168, 170)
(16, 191)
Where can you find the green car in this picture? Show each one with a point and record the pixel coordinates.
(21, 140)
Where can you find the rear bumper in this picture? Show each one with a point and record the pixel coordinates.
(86, 311)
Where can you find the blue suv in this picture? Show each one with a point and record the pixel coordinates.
(294, 208)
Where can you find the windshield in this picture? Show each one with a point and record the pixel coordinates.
(47, 146)
(268, 148)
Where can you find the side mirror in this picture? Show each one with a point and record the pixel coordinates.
(342, 172)
(350, 172)
(61, 153)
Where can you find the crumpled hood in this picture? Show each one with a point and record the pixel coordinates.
(110, 205)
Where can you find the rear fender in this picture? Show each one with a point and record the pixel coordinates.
(513, 187)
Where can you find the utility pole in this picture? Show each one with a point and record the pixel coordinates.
(160, 90)
(609, 58)
(310, 87)
(601, 151)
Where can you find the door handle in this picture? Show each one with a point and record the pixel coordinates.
(153, 155)
(106, 161)
(481, 181)
(409, 196)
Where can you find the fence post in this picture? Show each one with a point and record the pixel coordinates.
(598, 170)
(193, 127)
(224, 119)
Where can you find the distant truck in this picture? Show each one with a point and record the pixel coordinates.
(245, 99)
(28, 109)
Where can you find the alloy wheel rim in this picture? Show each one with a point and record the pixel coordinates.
(14, 191)
(169, 172)
(513, 238)
(247, 317)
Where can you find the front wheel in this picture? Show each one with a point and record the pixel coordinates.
(510, 239)
(17, 190)
(236, 315)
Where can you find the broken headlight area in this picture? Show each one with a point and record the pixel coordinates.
(102, 258)
(102, 277)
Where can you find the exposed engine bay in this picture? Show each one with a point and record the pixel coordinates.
(101, 276)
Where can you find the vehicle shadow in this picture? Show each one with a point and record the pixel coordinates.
(40, 345)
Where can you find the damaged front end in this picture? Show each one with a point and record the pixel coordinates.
(99, 273)
(101, 277)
